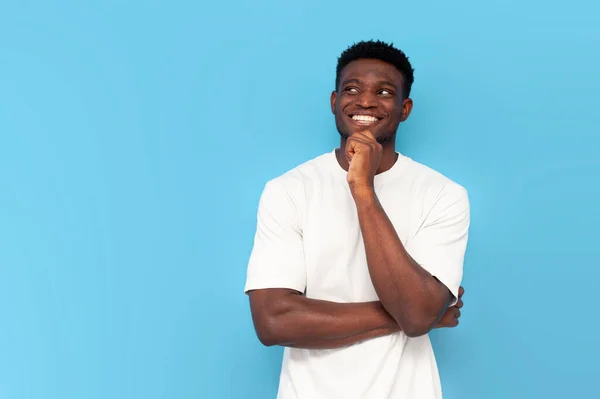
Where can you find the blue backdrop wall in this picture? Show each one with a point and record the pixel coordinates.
(136, 137)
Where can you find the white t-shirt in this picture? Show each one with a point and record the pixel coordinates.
(308, 239)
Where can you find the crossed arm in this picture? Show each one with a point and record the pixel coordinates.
(286, 317)
(410, 293)
(411, 299)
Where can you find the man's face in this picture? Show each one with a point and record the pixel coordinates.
(369, 97)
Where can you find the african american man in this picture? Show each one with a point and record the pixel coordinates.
(358, 253)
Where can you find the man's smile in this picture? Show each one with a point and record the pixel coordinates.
(364, 119)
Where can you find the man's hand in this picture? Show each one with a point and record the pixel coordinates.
(363, 153)
(450, 318)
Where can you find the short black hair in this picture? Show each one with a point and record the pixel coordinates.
(381, 51)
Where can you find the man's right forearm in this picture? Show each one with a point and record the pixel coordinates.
(296, 321)
(347, 341)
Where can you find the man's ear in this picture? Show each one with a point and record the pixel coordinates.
(407, 106)
(333, 101)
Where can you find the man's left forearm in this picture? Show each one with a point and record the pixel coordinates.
(414, 298)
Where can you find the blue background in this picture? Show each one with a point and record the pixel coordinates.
(136, 137)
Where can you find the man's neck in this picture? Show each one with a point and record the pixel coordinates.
(389, 156)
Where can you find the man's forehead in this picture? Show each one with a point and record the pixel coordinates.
(371, 70)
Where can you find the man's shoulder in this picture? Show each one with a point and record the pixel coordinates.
(291, 185)
(429, 182)
(295, 178)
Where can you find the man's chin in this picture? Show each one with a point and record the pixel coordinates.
(385, 139)
(382, 138)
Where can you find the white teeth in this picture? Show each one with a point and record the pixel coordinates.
(364, 118)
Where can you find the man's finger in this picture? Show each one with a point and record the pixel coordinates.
(354, 141)
(459, 303)
(461, 292)
(457, 313)
(368, 134)
(359, 138)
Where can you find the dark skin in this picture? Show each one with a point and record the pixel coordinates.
(411, 300)
(287, 318)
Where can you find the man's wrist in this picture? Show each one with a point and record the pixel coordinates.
(363, 193)
(389, 322)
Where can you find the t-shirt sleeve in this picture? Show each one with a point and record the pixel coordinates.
(277, 257)
(440, 244)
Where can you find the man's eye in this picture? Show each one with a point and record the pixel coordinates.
(385, 92)
(351, 89)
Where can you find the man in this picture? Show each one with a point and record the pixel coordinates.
(359, 252)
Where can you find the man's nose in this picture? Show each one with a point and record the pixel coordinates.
(366, 100)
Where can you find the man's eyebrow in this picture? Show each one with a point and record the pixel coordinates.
(387, 83)
(354, 80)
(381, 82)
